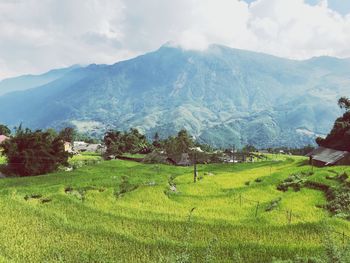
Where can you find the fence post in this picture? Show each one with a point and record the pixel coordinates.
(240, 199)
(256, 210)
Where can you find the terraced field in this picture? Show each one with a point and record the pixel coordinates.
(120, 211)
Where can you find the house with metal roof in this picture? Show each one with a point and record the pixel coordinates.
(323, 156)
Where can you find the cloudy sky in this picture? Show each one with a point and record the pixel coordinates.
(38, 35)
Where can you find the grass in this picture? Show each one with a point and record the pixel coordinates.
(120, 211)
(134, 155)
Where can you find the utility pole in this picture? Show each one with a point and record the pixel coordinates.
(195, 150)
(195, 167)
(233, 154)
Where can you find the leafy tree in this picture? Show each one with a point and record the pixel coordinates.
(67, 134)
(33, 153)
(113, 142)
(4, 130)
(344, 103)
(249, 149)
(175, 146)
(156, 140)
(339, 137)
(128, 142)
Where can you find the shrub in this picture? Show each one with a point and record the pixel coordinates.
(339, 201)
(125, 187)
(273, 204)
(295, 181)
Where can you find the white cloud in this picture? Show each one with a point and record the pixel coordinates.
(39, 35)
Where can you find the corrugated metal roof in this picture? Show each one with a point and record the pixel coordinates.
(327, 155)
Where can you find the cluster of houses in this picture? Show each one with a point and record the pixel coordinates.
(80, 146)
(319, 157)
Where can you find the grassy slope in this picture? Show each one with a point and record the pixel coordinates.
(148, 225)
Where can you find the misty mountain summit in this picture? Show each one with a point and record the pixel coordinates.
(223, 96)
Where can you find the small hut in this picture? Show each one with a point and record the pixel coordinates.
(323, 156)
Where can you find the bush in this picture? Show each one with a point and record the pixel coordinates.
(295, 181)
(125, 187)
(273, 204)
(339, 201)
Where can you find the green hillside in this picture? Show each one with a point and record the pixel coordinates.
(222, 96)
(119, 211)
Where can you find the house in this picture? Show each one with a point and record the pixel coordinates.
(68, 147)
(323, 156)
(3, 138)
(79, 146)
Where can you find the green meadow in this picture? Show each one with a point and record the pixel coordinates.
(121, 211)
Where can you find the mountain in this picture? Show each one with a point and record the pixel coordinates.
(31, 81)
(222, 96)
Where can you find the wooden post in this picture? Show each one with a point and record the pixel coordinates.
(256, 210)
(195, 167)
(233, 154)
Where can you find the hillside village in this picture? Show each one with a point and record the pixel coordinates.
(180, 150)
(180, 182)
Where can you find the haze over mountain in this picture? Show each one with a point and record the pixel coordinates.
(31, 81)
(222, 96)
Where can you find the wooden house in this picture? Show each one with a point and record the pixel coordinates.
(323, 156)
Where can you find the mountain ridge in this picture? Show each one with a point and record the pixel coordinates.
(222, 96)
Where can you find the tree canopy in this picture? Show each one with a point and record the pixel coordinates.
(32, 153)
(131, 141)
(339, 137)
(4, 130)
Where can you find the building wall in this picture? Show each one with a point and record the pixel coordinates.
(318, 163)
(344, 161)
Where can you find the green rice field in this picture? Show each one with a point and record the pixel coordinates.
(121, 211)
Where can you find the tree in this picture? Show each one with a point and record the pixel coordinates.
(249, 148)
(32, 153)
(4, 130)
(128, 142)
(339, 137)
(344, 103)
(156, 140)
(67, 134)
(175, 146)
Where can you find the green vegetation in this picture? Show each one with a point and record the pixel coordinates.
(2, 159)
(4, 130)
(118, 142)
(120, 211)
(339, 137)
(33, 153)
